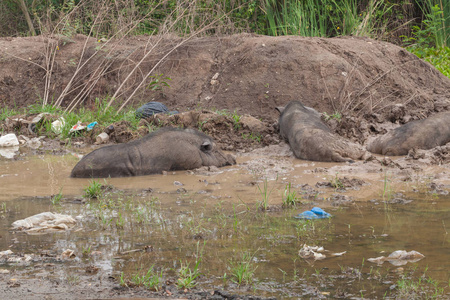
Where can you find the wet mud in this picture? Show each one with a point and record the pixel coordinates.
(220, 219)
(214, 216)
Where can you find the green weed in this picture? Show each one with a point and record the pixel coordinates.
(56, 199)
(158, 82)
(151, 280)
(94, 190)
(120, 221)
(265, 194)
(290, 197)
(236, 121)
(86, 250)
(335, 116)
(6, 112)
(336, 182)
(187, 276)
(433, 32)
(252, 136)
(242, 271)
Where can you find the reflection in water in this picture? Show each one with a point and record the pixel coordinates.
(9, 152)
(219, 214)
(124, 223)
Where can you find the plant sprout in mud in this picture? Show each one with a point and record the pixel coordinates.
(56, 199)
(252, 136)
(265, 195)
(243, 270)
(290, 198)
(150, 280)
(187, 276)
(335, 116)
(94, 190)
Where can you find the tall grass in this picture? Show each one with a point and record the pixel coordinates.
(305, 18)
(436, 24)
(325, 18)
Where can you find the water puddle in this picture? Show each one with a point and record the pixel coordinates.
(167, 222)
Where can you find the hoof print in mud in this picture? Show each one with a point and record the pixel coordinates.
(423, 134)
(311, 139)
(167, 149)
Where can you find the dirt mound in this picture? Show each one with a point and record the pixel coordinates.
(243, 73)
(231, 132)
(365, 87)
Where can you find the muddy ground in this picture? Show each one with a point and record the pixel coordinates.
(375, 86)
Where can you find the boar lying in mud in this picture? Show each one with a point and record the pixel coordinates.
(311, 139)
(167, 149)
(423, 134)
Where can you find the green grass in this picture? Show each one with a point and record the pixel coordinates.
(151, 279)
(290, 197)
(242, 271)
(187, 276)
(94, 190)
(56, 199)
(252, 136)
(327, 18)
(100, 114)
(430, 40)
(438, 57)
(264, 191)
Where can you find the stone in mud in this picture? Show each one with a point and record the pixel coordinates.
(167, 149)
(423, 134)
(311, 139)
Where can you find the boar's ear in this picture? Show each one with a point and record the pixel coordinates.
(280, 109)
(206, 146)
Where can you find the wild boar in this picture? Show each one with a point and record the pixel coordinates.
(167, 149)
(422, 134)
(311, 139)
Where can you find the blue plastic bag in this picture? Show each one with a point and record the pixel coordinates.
(152, 108)
(314, 213)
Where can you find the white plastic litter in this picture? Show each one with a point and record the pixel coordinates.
(45, 222)
(399, 258)
(58, 125)
(9, 140)
(9, 152)
(102, 138)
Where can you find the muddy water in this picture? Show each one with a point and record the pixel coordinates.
(215, 217)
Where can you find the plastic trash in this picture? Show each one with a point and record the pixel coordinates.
(152, 108)
(9, 152)
(34, 122)
(58, 125)
(91, 126)
(9, 140)
(109, 129)
(79, 127)
(399, 258)
(314, 213)
(45, 222)
(102, 138)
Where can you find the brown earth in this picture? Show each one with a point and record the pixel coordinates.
(243, 73)
(374, 85)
